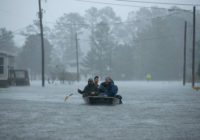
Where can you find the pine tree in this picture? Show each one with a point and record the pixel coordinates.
(7, 41)
(101, 24)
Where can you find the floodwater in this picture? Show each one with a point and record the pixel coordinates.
(150, 111)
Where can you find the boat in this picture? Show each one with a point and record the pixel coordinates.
(101, 100)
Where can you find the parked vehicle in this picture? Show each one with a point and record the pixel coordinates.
(18, 77)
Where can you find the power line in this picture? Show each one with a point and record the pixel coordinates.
(160, 3)
(128, 5)
(115, 4)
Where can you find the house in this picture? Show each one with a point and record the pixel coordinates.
(6, 63)
(9, 75)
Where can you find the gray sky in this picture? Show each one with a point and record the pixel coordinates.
(15, 15)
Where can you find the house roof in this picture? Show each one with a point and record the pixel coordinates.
(7, 54)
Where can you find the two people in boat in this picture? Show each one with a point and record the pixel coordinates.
(107, 88)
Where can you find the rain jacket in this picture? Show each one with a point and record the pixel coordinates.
(109, 89)
(89, 88)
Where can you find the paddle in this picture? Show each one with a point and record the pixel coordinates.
(196, 88)
(68, 96)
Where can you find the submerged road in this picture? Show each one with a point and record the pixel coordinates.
(151, 111)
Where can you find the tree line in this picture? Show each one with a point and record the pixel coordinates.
(150, 41)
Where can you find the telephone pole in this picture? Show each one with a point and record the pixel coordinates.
(184, 63)
(193, 47)
(77, 59)
(42, 41)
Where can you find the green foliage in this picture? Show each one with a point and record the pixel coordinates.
(123, 66)
(34, 29)
(30, 56)
(63, 38)
(102, 42)
(6, 41)
(150, 40)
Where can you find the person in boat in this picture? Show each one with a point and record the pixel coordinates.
(96, 81)
(108, 88)
(90, 89)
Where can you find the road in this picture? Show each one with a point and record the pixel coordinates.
(150, 111)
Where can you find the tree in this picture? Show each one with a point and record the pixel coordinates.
(156, 40)
(122, 63)
(63, 38)
(97, 58)
(6, 41)
(30, 56)
(34, 29)
(101, 24)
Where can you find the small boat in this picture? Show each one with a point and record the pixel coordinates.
(101, 100)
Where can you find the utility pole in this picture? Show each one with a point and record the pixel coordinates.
(193, 47)
(77, 59)
(42, 41)
(184, 63)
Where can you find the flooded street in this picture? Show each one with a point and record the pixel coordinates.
(150, 110)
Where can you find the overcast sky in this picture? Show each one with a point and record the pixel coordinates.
(15, 15)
